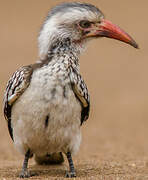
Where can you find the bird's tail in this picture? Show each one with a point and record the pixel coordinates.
(55, 158)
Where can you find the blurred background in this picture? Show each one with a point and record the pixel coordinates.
(116, 75)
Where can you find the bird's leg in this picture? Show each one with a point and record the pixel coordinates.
(72, 172)
(25, 173)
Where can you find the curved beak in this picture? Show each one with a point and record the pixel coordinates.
(108, 29)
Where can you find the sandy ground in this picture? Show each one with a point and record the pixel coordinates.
(115, 145)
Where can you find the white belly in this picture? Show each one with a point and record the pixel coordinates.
(31, 127)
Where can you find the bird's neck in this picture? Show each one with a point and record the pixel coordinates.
(61, 48)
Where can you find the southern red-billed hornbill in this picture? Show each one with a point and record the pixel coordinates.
(46, 103)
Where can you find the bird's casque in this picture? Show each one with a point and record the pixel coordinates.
(46, 103)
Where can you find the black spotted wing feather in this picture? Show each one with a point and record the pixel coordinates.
(17, 84)
(81, 92)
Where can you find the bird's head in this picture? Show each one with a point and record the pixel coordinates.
(79, 22)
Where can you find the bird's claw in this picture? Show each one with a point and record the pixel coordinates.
(70, 174)
(26, 174)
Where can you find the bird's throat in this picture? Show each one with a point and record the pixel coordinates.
(63, 50)
(64, 46)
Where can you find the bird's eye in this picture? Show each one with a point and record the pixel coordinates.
(85, 24)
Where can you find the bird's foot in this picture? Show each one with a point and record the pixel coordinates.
(26, 174)
(70, 174)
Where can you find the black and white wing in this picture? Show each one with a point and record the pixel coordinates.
(17, 84)
(81, 92)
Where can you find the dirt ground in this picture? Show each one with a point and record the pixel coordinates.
(115, 138)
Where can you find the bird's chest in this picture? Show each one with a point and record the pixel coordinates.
(50, 101)
(49, 111)
(51, 84)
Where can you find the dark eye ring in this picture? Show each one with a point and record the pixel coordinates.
(85, 24)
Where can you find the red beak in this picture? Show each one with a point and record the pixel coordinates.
(107, 29)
